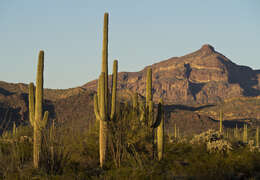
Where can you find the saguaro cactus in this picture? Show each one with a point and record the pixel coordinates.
(35, 110)
(175, 131)
(14, 129)
(220, 120)
(102, 107)
(149, 86)
(245, 134)
(257, 137)
(149, 98)
(160, 131)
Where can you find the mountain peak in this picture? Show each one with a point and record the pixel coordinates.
(207, 48)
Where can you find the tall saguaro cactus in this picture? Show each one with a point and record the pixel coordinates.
(160, 131)
(36, 109)
(102, 107)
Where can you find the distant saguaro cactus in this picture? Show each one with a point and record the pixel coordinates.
(14, 129)
(175, 131)
(220, 120)
(105, 111)
(257, 137)
(245, 133)
(36, 109)
(149, 97)
(160, 130)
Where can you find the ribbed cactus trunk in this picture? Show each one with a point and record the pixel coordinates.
(36, 110)
(160, 132)
(103, 121)
(104, 107)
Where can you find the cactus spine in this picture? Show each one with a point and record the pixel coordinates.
(160, 131)
(101, 100)
(36, 109)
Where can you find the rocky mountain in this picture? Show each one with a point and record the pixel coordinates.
(194, 87)
(202, 77)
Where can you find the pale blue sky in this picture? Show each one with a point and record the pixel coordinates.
(141, 32)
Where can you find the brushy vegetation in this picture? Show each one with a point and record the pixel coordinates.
(70, 153)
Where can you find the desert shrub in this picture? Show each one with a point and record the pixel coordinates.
(214, 141)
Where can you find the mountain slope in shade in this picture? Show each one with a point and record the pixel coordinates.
(204, 76)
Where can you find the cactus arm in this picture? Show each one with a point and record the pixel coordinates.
(150, 113)
(158, 117)
(114, 85)
(135, 100)
(96, 107)
(44, 120)
(31, 104)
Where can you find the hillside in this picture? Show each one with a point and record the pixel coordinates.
(194, 86)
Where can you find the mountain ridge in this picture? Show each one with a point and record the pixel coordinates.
(189, 79)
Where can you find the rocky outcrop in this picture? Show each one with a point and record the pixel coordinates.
(204, 76)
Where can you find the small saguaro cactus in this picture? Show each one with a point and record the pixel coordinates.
(36, 109)
(236, 132)
(105, 111)
(14, 129)
(245, 133)
(175, 131)
(149, 97)
(160, 130)
(220, 120)
(257, 137)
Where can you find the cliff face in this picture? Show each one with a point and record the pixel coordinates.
(204, 76)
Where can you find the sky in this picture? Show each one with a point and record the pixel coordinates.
(141, 32)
